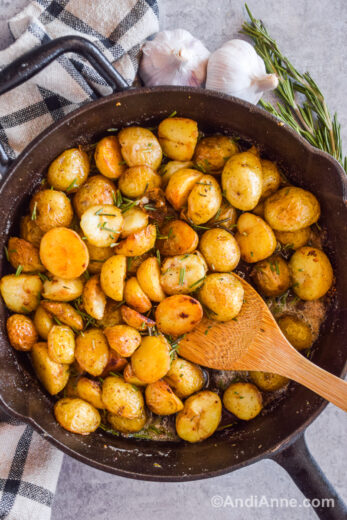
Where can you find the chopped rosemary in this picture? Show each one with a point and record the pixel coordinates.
(182, 275)
(157, 254)
(197, 282)
(72, 185)
(6, 253)
(19, 270)
(33, 215)
(173, 114)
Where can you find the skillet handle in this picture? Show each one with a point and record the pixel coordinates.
(308, 476)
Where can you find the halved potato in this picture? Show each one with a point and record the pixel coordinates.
(43, 322)
(61, 344)
(51, 209)
(135, 296)
(138, 243)
(242, 180)
(185, 377)
(123, 339)
(161, 399)
(255, 238)
(108, 157)
(112, 315)
(112, 277)
(204, 200)
(178, 137)
(21, 332)
(180, 185)
(76, 415)
(183, 274)
(135, 319)
(167, 170)
(94, 299)
(69, 170)
(135, 181)
(134, 220)
(65, 313)
(102, 224)
(125, 425)
(96, 190)
(148, 277)
(122, 398)
(129, 376)
(151, 361)
(178, 314)
(181, 238)
(24, 254)
(140, 146)
(243, 400)
(54, 376)
(200, 416)
(60, 290)
(21, 293)
(92, 351)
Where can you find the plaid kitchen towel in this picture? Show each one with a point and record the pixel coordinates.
(29, 465)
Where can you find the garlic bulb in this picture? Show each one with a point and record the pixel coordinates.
(236, 69)
(174, 58)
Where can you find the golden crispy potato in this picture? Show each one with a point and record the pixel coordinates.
(291, 209)
(61, 344)
(30, 231)
(180, 185)
(222, 294)
(226, 216)
(185, 377)
(161, 399)
(294, 239)
(211, 153)
(267, 381)
(135, 181)
(138, 243)
(255, 238)
(135, 319)
(220, 250)
(76, 415)
(183, 274)
(204, 200)
(54, 376)
(94, 299)
(129, 376)
(134, 220)
(63, 253)
(140, 146)
(243, 400)
(178, 314)
(181, 238)
(91, 351)
(115, 363)
(65, 313)
(112, 315)
(271, 178)
(242, 180)
(200, 416)
(69, 170)
(50, 209)
(148, 277)
(151, 361)
(43, 322)
(178, 137)
(108, 157)
(125, 425)
(135, 296)
(21, 293)
(271, 276)
(311, 273)
(168, 169)
(90, 391)
(60, 290)
(259, 210)
(135, 261)
(21, 332)
(123, 339)
(112, 277)
(297, 332)
(24, 254)
(122, 398)
(102, 224)
(96, 190)
(97, 256)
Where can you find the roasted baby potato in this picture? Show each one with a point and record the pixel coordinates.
(97, 256)
(180, 185)
(135, 296)
(138, 243)
(122, 398)
(200, 416)
(183, 274)
(220, 250)
(311, 273)
(24, 254)
(115, 363)
(242, 180)
(222, 294)
(178, 314)
(291, 209)
(21, 332)
(243, 400)
(271, 276)
(76, 415)
(112, 315)
(65, 313)
(108, 157)
(161, 399)
(178, 137)
(140, 147)
(255, 238)
(96, 190)
(148, 277)
(226, 216)
(102, 224)
(61, 344)
(43, 322)
(211, 153)
(54, 376)
(30, 231)
(63, 253)
(136, 319)
(297, 332)
(50, 209)
(90, 391)
(271, 178)
(168, 169)
(267, 381)
(129, 376)
(112, 277)
(94, 299)
(294, 239)
(204, 200)
(125, 425)
(60, 290)
(180, 238)
(123, 339)
(91, 351)
(135, 181)
(184, 377)
(134, 220)
(21, 293)
(151, 361)
(69, 170)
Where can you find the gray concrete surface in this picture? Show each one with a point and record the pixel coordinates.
(313, 34)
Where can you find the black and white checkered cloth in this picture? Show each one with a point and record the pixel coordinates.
(29, 465)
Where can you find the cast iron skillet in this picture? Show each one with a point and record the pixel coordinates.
(278, 434)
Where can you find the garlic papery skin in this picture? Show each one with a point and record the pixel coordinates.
(174, 58)
(236, 69)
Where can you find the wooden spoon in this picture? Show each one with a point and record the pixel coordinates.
(254, 341)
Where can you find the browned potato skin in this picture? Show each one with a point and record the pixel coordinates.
(267, 381)
(226, 216)
(65, 313)
(112, 315)
(138, 243)
(53, 376)
(161, 399)
(134, 220)
(108, 157)
(204, 200)
(180, 185)
(115, 363)
(61, 344)
(123, 339)
(178, 314)
(243, 400)
(96, 190)
(220, 250)
(124, 425)
(311, 272)
(185, 377)
(21, 293)
(21, 252)
(140, 146)
(21, 332)
(135, 296)
(97, 256)
(181, 239)
(291, 209)
(255, 238)
(259, 210)
(43, 322)
(294, 239)
(76, 415)
(129, 376)
(90, 391)
(122, 398)
(30, 231)
(297, 332)
(69, 170)
(135, 181)
(135, 319)
(53, 209)
(151, 361)
(92, 351)
(178, 137)
(271, 276)
(222, 294)
(148, 277)
(271, 178)
(94, 299)
(211, 153)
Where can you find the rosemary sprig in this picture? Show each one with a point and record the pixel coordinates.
(310, 118)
